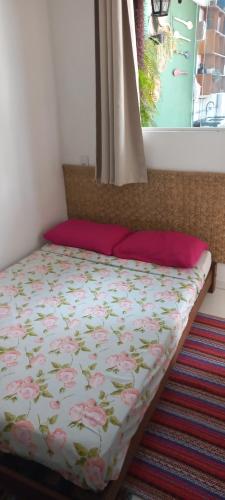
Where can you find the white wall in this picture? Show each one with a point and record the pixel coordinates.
(72, 25)
(31, 181)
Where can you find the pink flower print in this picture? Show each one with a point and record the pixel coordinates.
(67, 376)
(65, 344)
(148, 306)
(56, 440)
(145, 280)
(20, 275)
(32, 257)
(104, 272)
(95, 311)
(68, 345)
(26, 312)
(22, 432)
(88, 413)
(15, 331)
(166, 281)
(27, 380)
(156, 350)
(52, 301)
(100, 335)
(37, 286)
(167, 295)
(78, 277)
(163, 269)
(101, 295)
(40, 359)
(3, 275)
(148, 323)
(125, 304)
(41, 269)
(122, 361)
(64, 265)
(50, 322)
(126, 337)
(10, 358)
(28, 390)
(96, 379)
(4, 311)
(191, 288)
(99, 311)
(126, 363)
(175, 315)
(12, 387)
(94, 472)
(92, 356)
(84, 253)
(73, 323)
(78, 294)
(38, 340)
(121, 286)
(112, 360)
(55, 405)
(129, 396)
(9, 290)
(56, 344)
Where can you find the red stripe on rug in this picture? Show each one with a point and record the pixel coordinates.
(167, 482)
(219, 337)
(185, 379)
(192, 428)
(206, 349)
(202, 364)
(210, 321)
(184, 454)
(188, 401)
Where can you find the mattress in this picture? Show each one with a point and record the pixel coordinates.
(85, 341)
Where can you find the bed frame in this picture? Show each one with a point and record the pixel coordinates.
(33, 481)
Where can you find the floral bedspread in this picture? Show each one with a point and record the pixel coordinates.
(84, 342)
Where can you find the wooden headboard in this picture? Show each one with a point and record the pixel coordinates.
(193, 202)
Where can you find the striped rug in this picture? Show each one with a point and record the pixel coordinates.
(182, 454)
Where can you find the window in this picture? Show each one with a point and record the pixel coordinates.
(181, 58)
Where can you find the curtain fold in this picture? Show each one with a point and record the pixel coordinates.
(120, 148)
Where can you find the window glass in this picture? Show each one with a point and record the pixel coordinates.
(181, 58)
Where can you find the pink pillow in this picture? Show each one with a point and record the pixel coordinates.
(166, 248)
(88, 235)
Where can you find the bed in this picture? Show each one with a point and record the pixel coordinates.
(87, 341)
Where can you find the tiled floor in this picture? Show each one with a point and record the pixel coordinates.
(214, 303)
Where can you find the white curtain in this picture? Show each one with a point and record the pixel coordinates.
(120, 149)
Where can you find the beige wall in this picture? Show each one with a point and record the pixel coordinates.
(31, 184)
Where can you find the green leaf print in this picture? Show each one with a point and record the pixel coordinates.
(93, 452)
(9, 417)
(114, 421)
(52, 420)
(81, 450)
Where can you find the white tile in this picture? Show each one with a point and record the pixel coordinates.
(214, 303)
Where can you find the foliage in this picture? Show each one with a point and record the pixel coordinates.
(155, 60)
(148, 76)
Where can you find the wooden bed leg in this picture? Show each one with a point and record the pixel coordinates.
(214, 271)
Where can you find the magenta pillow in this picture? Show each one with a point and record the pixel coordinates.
(87, 235)
(166, 248)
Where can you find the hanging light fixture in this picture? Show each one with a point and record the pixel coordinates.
(160, 7)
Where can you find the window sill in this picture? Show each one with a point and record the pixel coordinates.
(185, 129)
